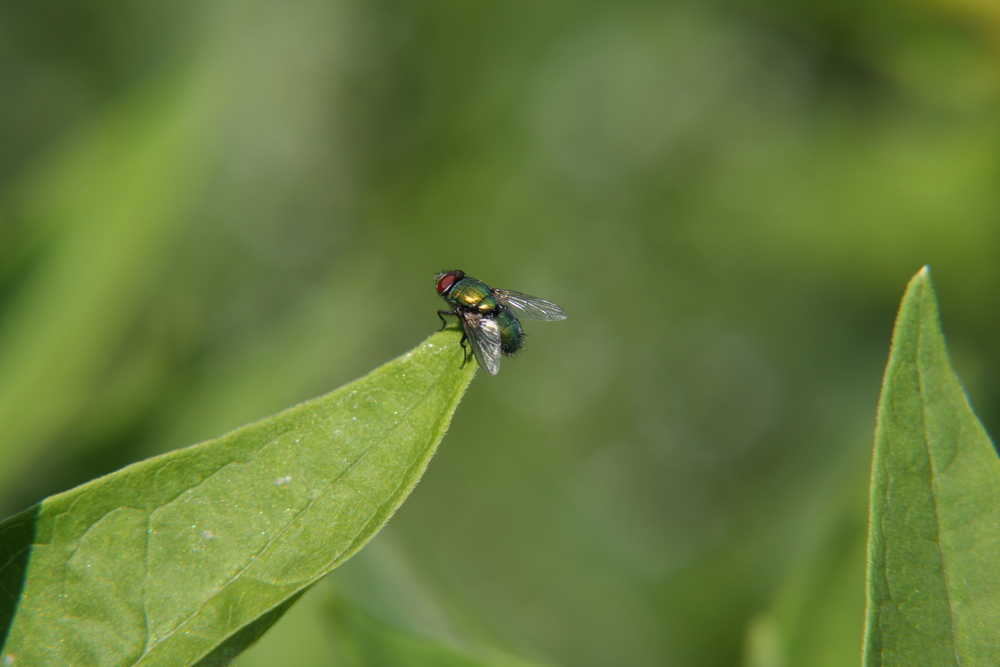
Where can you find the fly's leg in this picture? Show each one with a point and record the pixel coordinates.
(444, 322)
(465, 351)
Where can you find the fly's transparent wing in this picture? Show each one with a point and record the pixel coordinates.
(484, 336)
(529, 307)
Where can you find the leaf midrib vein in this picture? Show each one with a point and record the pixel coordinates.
(930, 460)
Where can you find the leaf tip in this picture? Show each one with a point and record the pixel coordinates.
(920, 287)
(922, 277)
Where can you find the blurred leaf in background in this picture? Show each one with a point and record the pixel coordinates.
(209, 212)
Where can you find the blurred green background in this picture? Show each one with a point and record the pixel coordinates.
(211, 211)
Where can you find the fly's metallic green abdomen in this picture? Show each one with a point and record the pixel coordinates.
(489, 316)
(511, 336)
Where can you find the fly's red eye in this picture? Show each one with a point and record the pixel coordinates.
(447, 280)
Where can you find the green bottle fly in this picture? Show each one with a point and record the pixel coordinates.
(490, 316)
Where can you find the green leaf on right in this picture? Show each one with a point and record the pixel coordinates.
(934, 525)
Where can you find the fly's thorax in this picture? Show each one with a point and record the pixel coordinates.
(472, 294)
(511, 335)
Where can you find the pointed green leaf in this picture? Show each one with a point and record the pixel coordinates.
(185, 557)
(934, 541)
